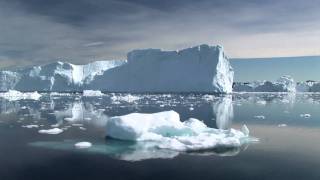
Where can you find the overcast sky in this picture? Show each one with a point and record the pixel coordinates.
(79, 31)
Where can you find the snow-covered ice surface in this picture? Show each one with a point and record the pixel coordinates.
(166, 129)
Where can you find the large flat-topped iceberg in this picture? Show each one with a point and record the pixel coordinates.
(198, 69)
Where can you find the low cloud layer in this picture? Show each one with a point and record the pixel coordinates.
(79, 31)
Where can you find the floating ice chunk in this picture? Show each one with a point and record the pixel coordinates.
(31, 126)
(13, 95)
(82, 145)
(282, 125)
(208, 97)
(126, 98)
(262, 102)
(260, 117)
(89, 93)
(82, 128)
(55, 125)
(305, 115)
(50, 131)
(168, 132)
(76, 124)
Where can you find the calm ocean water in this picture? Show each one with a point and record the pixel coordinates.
(287, 126)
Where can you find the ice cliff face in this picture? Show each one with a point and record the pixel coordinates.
(198, 69)
(8, 80)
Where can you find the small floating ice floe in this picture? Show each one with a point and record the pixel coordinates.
(282, 125)
(91, 93)
(167, 132)
(260, 117)
(50, 131)
(126, 98)
(55, 125)
(31, 126)
(262, 102)
(83, 145)
(77, 125)
(305, 115)
(82, 128)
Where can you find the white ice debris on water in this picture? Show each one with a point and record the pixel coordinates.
(125, 97)
(262, 102)
(50, 131)
(92, 93)
(30, 126)
(168, 132)
(83, 145)
(282, 125)
(13, 95)
(305, 115)
(259, 117)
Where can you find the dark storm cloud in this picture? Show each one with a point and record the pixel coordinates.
(41, 31)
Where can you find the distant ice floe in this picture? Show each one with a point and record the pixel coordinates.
(305, 115)
(50, 131)
(125, 98)
(259, 117)
(261, 102)
(31, 126)
(283, 84)
(13, 95)
(167, 132)
(282, 125)
(92, 93)
(83, 145)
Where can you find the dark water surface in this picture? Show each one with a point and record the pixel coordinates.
(289, 145)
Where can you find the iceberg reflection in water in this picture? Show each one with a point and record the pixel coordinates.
(133, 151)
(88, 116)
